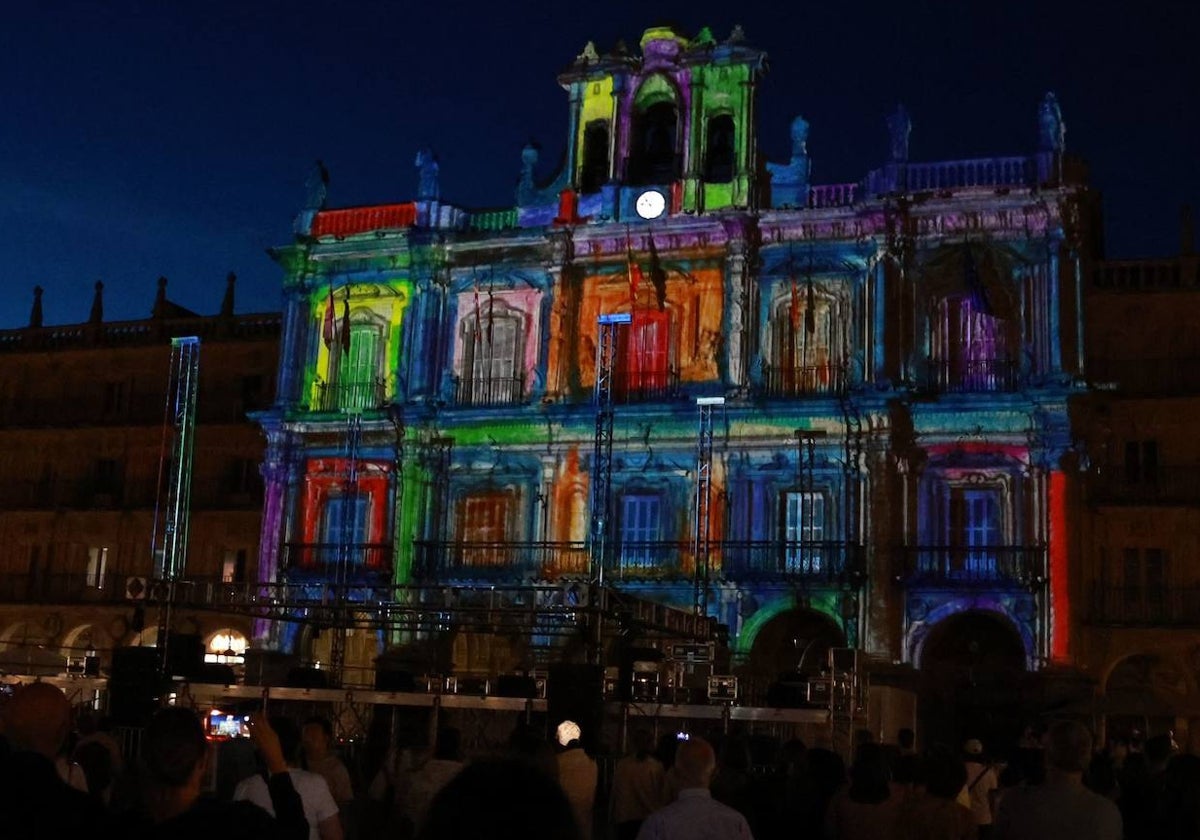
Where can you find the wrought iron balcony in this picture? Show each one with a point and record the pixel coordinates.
(1158, 485)
(972, 376)
(495, 390)
(646, 385)
(971, 566)
(803, 381)
(1142, 606)
(349, 396)
(822, 562)
(468, 560)
(333, 560)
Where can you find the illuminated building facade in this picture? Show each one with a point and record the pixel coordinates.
(81, 437)
(891, 468)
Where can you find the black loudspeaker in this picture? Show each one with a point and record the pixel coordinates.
(516, 685)
(214, 673)
(185, 655)
(576, 692)
(307, 678)
(394, 681)
(134, 685)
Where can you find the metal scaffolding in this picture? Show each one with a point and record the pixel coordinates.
(703, 512)
(169, 537)
(606, 363)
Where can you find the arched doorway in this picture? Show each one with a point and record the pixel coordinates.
(1144, 693)
(973, 678)
(795, 641)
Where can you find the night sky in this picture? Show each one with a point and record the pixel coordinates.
(147, 139)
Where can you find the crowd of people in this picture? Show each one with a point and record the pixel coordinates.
(62, 776)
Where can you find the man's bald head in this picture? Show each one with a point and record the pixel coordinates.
(695, 762)
(37, 718)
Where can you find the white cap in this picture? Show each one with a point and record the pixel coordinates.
(973, 747)
(567, 732)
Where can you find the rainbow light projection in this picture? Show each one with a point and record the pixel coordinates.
(889, 456)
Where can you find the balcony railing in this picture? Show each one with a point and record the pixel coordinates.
(332, 559)
(1160, 485)
(970, 376)
(349, 396)
(817, 562)
(496, 390)
(803, 381)
(971, 566)
(646, 385)
(496, 560)
(1179, 375)
(1145, 606)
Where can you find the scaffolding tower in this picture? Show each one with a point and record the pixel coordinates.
(169, 537)
(700, 537)
(606, 363)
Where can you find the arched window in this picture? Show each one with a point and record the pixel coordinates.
(358, 384)
(654, 148)
(718, 150)
(644, 357)
(804, 361)
(593, 172)
(226, 647)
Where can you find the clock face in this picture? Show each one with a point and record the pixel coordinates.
(650, 204)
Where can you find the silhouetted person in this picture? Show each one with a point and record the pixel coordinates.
(866, 809)
(695, 815)
(434, 774)
(577, 775)
(1061, 807)
(175, 758)
(637, 788)
(500, 799)
(930, 810)
(906, 739)
(34, 800)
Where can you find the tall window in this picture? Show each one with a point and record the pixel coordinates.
(345, 522)
(1144, 583)
(645, 355)
(654, 157)
(803, 340)
(233, 565)
(975, 532)
(718, 150)
(1141, 462)
(594, 171)
(97, 565)
(358, 369)
(492, 363)
(804, 532)
(971, 348)
(484, 526)
(641, 530)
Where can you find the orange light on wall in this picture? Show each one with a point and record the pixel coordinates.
(1060, 594)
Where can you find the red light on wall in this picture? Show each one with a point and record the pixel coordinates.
(1060, 593)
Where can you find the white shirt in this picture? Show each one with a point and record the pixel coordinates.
(314, 795)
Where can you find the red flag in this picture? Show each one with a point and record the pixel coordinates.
(658, 277)
(810, 309)
(346, 322)
(635, 276)
(330, 329)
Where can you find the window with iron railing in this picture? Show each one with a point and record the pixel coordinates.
(492, 358)
(641, 530)
(971, 351)
(804, 532)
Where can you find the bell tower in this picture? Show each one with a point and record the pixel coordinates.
(678, 120)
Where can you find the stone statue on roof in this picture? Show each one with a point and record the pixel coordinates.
(899, 128)
(1052, 130)
(799, 138)
(316, 187)
(427, 175)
